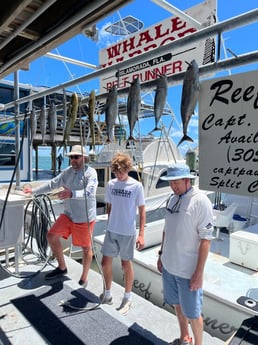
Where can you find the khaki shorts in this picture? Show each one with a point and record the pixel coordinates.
(81, 232)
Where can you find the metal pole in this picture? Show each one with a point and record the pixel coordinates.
(17, 128)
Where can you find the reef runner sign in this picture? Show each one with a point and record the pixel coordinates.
(228, 134)
(151, 39)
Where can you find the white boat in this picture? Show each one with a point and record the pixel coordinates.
(151, 156)
(224, 280)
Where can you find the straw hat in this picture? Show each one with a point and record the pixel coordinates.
(176, 172)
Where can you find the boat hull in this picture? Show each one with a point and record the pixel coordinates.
(222, 317)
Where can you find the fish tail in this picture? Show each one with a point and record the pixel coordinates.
(131, 138)
(185, 138)
(155, 129)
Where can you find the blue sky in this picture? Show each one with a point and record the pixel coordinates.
(49, 72)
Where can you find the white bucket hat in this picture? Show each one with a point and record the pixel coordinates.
(77, 150)
(176, 172)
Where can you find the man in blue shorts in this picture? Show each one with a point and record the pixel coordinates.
(184, 251)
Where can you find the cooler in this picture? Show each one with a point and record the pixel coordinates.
(243, 249)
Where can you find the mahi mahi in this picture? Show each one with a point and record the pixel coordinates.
(70, 119)
(190, 96)
(160, 99)
(52, 121)
(133, 105)
(73, 109)
(111, 109)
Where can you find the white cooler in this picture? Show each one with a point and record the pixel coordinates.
(243, 249)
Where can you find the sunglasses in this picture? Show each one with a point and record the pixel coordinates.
(175, 208)
(75, 157)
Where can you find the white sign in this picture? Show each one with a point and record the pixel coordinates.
(153, 37)
(228, 134)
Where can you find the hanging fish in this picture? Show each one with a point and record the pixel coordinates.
(52, 121)
(33, 124)
(71, 117)
(92, 105)
(160, 99)
(133, 105)
(190, 96)
(43, 123)
(111, 110)
(73, 108)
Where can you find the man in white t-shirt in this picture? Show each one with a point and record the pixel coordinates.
(184, 251)
(124, 195)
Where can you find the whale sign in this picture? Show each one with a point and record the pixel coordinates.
(150, 39)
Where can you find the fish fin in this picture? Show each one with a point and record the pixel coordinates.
(185, 138)
(155, 129)
(131, 138)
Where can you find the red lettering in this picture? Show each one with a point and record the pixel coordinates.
(113, 51)
(144, 38)
(159, 33)
(177, 24)
(128, 45)
(188, 31)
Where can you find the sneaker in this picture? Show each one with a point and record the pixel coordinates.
(57, 272)
(124, 306)
(181, 342)
(83, 283)
(105, 300)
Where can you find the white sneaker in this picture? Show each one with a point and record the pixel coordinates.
(105, 300)
(125, 306)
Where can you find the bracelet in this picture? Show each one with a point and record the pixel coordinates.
(159, 252)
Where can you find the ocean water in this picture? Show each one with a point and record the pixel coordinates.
(44, 162)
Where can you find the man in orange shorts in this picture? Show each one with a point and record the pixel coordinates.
(79, 182)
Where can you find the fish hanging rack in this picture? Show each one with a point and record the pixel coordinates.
(215, 29)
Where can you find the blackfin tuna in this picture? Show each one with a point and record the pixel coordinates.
(190, 96)
(111, 110)
(133, 105)
(160, 99)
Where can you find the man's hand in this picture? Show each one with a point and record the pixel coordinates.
(66, 193)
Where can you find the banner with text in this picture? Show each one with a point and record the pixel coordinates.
(228, 134)
(152, 38)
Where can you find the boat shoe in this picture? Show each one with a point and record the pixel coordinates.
(57, 272)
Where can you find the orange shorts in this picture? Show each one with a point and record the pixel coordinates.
(81, 235)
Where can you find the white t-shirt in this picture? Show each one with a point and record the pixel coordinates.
(125, 197)
(184, 230)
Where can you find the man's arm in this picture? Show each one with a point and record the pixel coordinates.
(142, 220)
(197, 278)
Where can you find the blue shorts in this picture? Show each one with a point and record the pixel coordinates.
(176, 291)
(116, 244)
